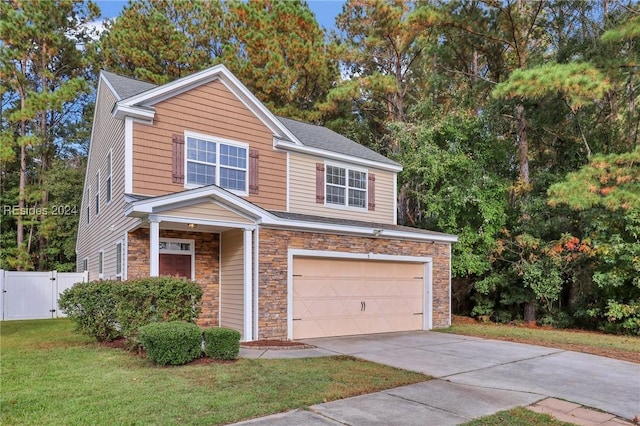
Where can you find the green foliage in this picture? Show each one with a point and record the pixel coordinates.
(156, 299)
(624, 316)
(92, 307)
(221, 343)
(110, 309)
(471, 204)
(171, 343)
(606, 196)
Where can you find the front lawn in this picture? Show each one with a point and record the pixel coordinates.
(50, 375)
(626, 348)
(517, 417)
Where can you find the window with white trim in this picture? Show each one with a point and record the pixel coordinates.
(98, 193)
(119, 259)
(108, 180)
(210, 161)
(345, 186)
(85, 264)
(100, 264)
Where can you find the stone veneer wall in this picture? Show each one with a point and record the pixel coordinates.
(207, 266)
(274, 244)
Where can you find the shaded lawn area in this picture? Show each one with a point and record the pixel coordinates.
(51, 375)
(626, 348)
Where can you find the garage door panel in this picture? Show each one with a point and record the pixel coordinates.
(336, 297)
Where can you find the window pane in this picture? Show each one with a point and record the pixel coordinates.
(233, 156)
(335, 195)
(119, 258)
(357, 179)
(357, 198)
(200, 174)
(200, 150)
(335, 175)
(233, 179)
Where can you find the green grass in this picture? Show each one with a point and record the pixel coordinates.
(49, 375)
(621, 347)
(517, 417)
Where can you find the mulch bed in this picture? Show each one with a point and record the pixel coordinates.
(275, 344)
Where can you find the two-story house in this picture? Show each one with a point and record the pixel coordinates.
(290, 228)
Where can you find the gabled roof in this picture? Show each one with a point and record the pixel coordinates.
(126, 87)
(326, 139)
(136, 98)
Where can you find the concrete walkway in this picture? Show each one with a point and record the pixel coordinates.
(475, 377)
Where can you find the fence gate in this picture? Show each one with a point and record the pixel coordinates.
(34, 295)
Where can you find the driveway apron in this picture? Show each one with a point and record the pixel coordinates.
(474, 377)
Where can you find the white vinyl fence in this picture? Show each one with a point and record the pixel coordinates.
(34, 295)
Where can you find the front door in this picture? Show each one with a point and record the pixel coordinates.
(177, 265)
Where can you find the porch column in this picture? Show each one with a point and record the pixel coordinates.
(248, 288)
(154, 246)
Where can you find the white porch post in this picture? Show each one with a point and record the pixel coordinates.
(154, 246)
(248, 288)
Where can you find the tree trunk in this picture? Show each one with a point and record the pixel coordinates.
(530, 312)
(523, 145)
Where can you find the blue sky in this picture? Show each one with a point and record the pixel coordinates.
(325, 10)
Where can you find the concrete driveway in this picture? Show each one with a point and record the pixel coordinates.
(607, 384)
(476, 377)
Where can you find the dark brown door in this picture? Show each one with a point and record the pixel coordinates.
(176, 265)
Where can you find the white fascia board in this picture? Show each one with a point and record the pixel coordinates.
(288, 146)
(121, 111)
(104, 79)
(148, 206)
(356, 230)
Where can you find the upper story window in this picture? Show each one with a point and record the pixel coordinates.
(346, 187)
(108, 180)
(211, 161)
(98, 193)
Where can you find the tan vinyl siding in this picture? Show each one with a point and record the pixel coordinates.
(232, 280)
(108, 133)
(206, 211)
(210, 109)
(302, 193)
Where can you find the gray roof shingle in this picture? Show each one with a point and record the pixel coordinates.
(127, 87)
(355, 223)
(326, 139)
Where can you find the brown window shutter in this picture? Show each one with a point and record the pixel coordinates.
(371, 189)
(254, 156)
(320, 183)
(178, 158)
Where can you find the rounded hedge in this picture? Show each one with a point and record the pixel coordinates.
(171, 343)
(221, 343)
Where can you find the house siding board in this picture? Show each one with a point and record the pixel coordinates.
(302, 193)
(207, 268)
(272, 282)
(206, 211)
(210, 109)
(106, 229)
(232, 280)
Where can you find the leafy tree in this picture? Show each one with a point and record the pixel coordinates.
(161, 41)
(606, 195)
(43, 75)
(456, 178)
(380, 46)
(278, 50)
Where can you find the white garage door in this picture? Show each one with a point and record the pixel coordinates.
(334, 297)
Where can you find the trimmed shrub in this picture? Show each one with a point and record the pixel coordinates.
(221, 343)
(92, 306)
(107, 310)
(156, 299)
(171, 343)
